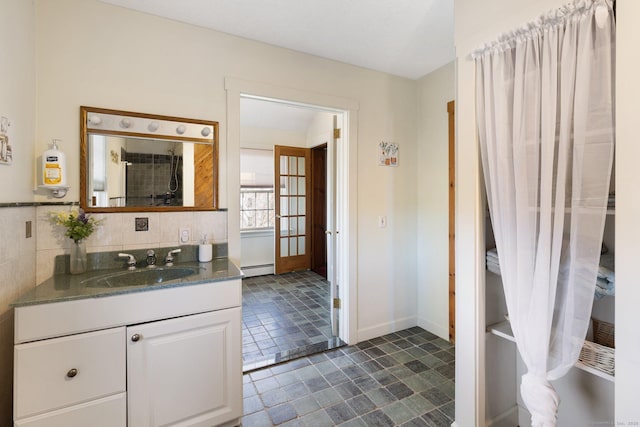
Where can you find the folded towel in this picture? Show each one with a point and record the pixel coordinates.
(602, 292)
(493, 265)
(494, 268)
(493, 259)
(606, 268)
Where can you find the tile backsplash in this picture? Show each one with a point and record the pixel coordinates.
(116, 232)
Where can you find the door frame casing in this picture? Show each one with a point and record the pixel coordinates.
(347, 168)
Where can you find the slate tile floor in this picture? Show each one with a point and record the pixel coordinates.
(401, 379)
(283, 314)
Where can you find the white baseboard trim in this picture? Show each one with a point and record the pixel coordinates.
(507, 418)
(258, 270)
(440, 330)
(386, 328)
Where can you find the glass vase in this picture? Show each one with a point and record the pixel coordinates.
(78, 260)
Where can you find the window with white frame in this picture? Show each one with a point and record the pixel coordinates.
(257, 196)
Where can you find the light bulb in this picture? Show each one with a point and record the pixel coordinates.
(125, 123)
(153, 126)
(181, 129)
(95, 120)
(205, 132)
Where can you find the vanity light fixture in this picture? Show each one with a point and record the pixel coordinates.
(181, 129)
(153, 126)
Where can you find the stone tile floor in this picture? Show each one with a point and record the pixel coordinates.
(283, 313)
(401, 379)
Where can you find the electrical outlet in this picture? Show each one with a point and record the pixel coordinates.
(185, 235)
(382, 221)
(142, 224)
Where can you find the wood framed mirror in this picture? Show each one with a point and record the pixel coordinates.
(137, 162)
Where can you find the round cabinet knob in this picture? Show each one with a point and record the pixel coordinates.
(136, 337)
(72, 373)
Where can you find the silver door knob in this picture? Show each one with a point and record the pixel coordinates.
(136, 337)
(327, 232)
(72, 373)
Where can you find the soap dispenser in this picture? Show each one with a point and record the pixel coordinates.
(53, 171)
(205, 250)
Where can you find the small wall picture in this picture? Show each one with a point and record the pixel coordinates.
(6, 152)
(388, 154)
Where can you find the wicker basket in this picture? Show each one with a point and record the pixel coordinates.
(603, 333)
(598, 357)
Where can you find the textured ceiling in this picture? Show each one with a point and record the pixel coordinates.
(408, 38)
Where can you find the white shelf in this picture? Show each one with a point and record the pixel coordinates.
(503, 330)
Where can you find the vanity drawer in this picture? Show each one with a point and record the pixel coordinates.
(55, 373)
(106, 412)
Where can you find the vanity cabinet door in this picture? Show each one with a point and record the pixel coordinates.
(185, 371)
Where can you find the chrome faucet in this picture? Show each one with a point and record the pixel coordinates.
(131, 261)
(168, 260)
(151, 259)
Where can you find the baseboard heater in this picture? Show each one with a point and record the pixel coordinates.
(258, 270)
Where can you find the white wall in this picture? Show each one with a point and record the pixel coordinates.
(17, 103)
(476, 23)
(159, 66)
(262, 138)
(320, 130)
(436, 89)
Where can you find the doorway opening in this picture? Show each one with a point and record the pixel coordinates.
(291, 299)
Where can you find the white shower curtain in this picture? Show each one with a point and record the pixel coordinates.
(545, 124)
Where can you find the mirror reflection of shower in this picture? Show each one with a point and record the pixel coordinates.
(174, 162)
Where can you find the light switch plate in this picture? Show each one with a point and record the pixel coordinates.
(382, 221)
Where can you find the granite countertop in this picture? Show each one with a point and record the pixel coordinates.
(67, 287)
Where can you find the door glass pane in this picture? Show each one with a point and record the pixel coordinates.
(284, 206)
(301, 224)
(293, 206)
(292, 165)
(301, 244)
(301, 206)
(284, 226)
(293, 246)
(284, 188)
(284, 165)
(301, 166)
(293, 186)
(284, 247)
(302, 186)
(293, 226)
